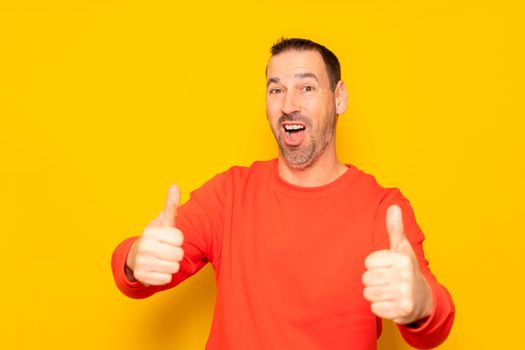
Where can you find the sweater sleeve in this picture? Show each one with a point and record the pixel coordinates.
(433, 330)
(201, 221)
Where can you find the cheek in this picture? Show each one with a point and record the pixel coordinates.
(315, 103)
(322, 109)
(273, 112)
(313, 110)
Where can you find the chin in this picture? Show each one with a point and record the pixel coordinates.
(300, 165)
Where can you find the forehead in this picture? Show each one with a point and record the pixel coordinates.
(289, 63)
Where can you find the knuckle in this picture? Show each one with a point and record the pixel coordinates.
(176, 268)
(180, 254)
(405, 261)
(366, 278)
(375, 258)
(146, 245)
(407, 308)
(165, 279)
(366, 293)
(406, 274)
(374, 308)
(368, 261)
(160, 233)
(149, 231)
(171, 236)
(378, 310)
(178, 235)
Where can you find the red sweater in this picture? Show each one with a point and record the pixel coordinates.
(289, 260)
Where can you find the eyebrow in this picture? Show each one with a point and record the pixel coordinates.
(307, 75)
(298, 75)
(272, 80)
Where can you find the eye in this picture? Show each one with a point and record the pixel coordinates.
(275, 91)
(308, 88)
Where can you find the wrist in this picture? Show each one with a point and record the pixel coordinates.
(129, 273)
(423, 303)
(128, 266)
(417, 323)
(426, 302)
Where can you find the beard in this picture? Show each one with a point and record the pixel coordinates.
(304, 156)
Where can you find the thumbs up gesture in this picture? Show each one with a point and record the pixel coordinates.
(156, 255)
(393, 282)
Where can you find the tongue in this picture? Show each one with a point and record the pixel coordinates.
(293, 138)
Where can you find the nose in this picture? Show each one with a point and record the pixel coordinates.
(290, 103)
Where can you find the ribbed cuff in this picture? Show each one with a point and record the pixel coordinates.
(435, 329)
(132, 289)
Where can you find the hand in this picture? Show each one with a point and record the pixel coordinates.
(393, 282)
(156, 255)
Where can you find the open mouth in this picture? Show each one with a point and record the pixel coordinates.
(291, 128)
(293, 133)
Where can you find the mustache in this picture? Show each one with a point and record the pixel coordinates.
(294, 117)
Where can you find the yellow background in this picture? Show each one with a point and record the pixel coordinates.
(103, 104)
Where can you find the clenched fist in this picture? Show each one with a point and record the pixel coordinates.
(393, 282)
(156, 255)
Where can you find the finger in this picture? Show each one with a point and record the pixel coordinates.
(379, 259)
(377, 277)
(169, 253)
(380, 294)
(168, 235)
(165, 266)
(154, 278)
(384, 309)
(396, 230)
(172, 203)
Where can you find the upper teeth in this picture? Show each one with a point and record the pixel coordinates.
(293, 127)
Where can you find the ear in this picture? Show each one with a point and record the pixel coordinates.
(341, 97)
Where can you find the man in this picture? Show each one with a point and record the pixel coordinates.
(309, 253)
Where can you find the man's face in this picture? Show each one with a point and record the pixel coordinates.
(300, 106)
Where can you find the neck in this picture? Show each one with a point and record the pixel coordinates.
(324, 170)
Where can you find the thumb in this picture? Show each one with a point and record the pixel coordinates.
(396, 230)
(172, 203)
